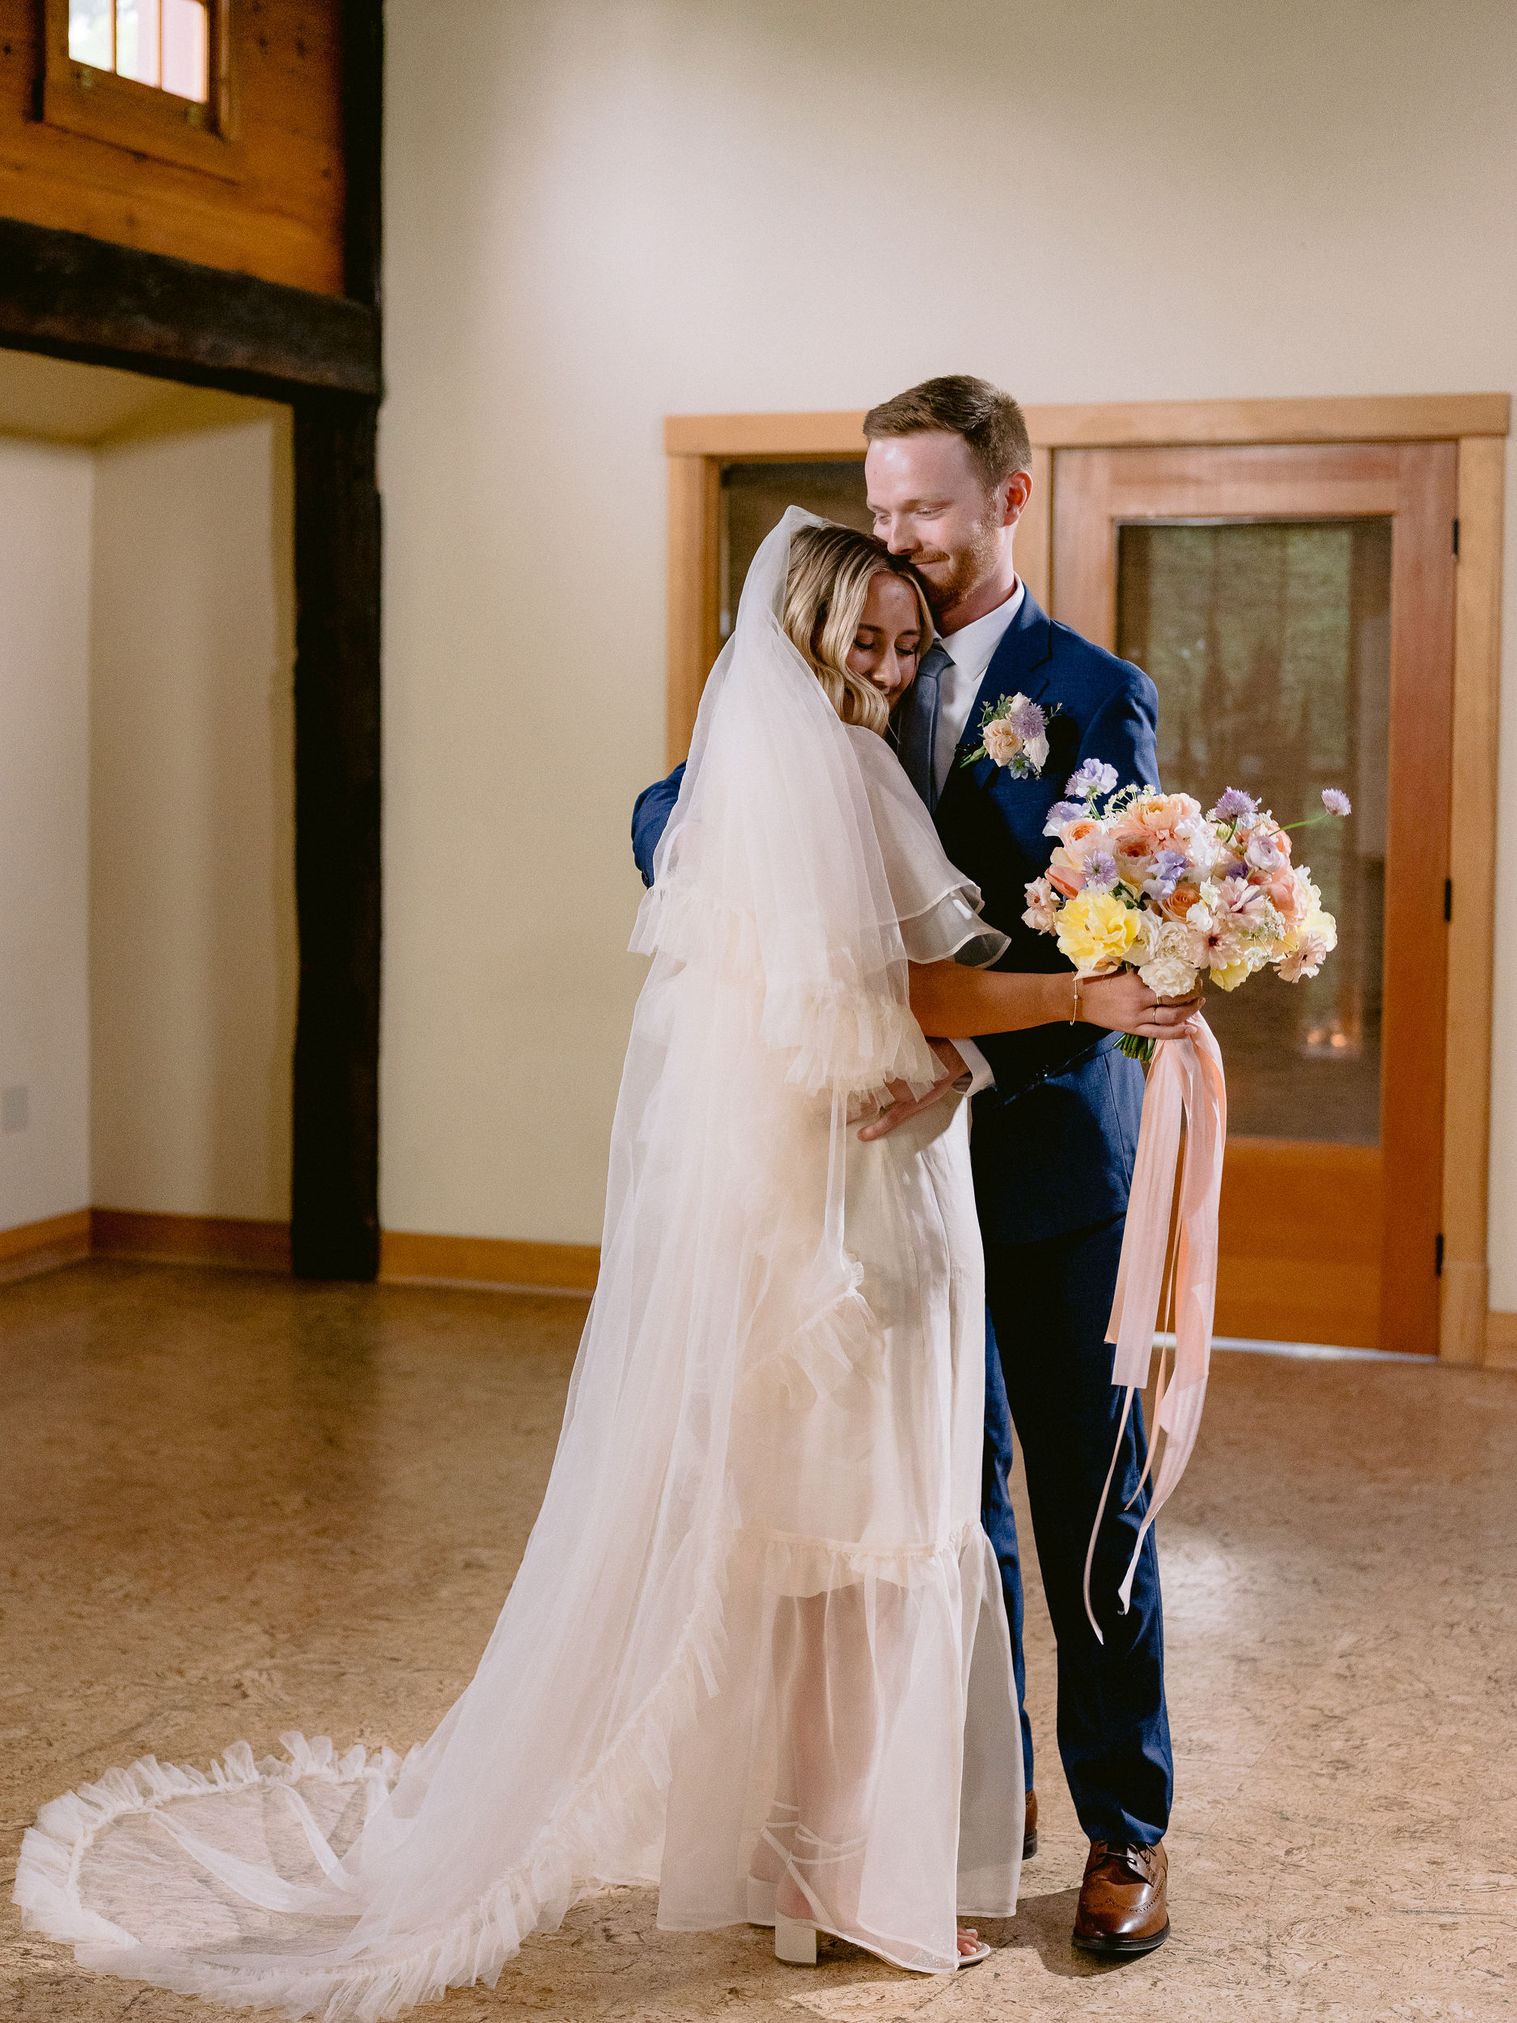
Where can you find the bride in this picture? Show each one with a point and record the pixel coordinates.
(756, 1652)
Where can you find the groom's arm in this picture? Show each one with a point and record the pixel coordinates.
(1121, 733)
(650, 817)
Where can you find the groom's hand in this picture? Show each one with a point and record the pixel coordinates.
(903, 1104)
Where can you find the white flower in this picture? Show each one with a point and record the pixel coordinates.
(1169, 976)
(1201, 844)
(1168, 953)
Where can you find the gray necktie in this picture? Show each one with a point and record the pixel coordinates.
(918, 724)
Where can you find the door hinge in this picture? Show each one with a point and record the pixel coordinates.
(1448, 898)
(1456, 537)
(1438, 1256)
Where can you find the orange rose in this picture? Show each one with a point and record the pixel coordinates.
(1159, 817)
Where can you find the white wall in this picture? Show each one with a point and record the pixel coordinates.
(194, 965)
(603, 211)
(44, 822)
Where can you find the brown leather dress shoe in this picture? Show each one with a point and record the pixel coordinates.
(1124, 1907)
(1030, 1827)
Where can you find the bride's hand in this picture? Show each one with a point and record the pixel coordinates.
(1123, 1003)
(899, 1103)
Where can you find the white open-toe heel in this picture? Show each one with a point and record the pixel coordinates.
(795, 1941)
(794, 1938)
(981, 1952)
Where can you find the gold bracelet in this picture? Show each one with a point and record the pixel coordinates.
(1075, 1008)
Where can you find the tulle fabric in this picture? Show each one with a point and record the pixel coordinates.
(756, 1642)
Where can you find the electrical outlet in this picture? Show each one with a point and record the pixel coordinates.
(14, 1108)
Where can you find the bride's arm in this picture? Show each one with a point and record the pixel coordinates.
(951, 1002)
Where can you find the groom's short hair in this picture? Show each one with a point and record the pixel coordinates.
(990, 421)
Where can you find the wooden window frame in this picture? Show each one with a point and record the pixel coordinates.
(698, 446)
(104, 106)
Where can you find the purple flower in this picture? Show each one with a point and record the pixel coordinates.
(1336, 801)
(1237, 869)
(1234, 804)
(1169, 869)
(1100, 871)
(1091, 780)
(1028, 722)
(1060, 813)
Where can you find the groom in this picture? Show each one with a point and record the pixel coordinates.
(1056, 1114)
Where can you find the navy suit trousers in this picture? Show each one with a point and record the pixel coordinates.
(1049, 1393)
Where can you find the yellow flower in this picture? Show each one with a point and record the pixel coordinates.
(1231, 975)
(1096, 930)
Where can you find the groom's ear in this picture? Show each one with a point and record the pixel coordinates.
(1015, 491)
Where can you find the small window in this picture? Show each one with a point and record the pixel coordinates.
(163, 43)
(150, 75)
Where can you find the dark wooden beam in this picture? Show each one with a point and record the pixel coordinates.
(363, 58)
(334, 1229)
(71, 296)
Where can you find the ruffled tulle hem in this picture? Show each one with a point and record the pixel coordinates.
(617, 1810)
(592, 1842)
(51, 1851)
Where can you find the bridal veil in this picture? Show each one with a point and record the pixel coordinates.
(628, 1719)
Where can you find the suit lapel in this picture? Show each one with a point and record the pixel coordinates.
(1021, 664)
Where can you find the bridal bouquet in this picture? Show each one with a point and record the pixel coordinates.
(1147, 879)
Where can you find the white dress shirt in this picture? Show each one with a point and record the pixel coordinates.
(969, 651)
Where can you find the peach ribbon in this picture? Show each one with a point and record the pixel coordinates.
(1185, 1087)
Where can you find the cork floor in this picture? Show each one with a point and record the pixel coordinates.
(233, 1504)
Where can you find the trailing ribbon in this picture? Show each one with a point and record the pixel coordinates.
(1185, 1086)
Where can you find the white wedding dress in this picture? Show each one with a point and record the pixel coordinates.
(757, 1638)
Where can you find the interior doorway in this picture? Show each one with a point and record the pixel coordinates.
(1287, 572)
(1295, 606)
(150, 947)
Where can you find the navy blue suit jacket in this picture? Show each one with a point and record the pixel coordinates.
(1055, 1138)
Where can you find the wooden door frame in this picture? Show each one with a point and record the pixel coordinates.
(67, 295)
(698, 446)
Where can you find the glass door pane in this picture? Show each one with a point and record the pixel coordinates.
(1270, 645)
(754, 498)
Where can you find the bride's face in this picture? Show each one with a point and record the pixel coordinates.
(887, 642)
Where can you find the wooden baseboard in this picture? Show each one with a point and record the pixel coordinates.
(406, 1256)
(190, 1239)
(416, 1256)
(413, 1257)
(43, 1246)
(1501, 1341)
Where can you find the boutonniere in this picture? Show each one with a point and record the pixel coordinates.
(1014, 732)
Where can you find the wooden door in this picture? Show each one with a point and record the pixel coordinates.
(1295, 607)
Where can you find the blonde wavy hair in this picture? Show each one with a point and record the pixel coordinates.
(831, 569)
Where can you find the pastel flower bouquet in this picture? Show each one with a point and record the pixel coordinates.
(1184, 897)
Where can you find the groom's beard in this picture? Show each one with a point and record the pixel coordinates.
(950, 578)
